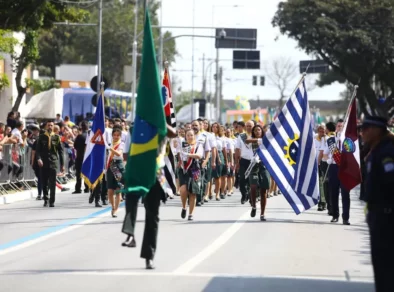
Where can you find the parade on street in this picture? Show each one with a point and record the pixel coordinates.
(279, 177)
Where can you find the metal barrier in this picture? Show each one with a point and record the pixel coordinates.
(16, 171)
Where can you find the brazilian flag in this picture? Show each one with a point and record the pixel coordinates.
(149, 125)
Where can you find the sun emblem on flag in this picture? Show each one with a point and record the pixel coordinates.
(292, 149)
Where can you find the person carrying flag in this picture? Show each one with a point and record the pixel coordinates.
(144, 170)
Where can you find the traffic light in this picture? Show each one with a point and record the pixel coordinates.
(262, 80)
(214, 76)
(254, 80)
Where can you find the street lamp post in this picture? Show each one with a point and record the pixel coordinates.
(134, 61)
(100, 28)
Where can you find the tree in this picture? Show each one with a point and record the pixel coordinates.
(354, 37)
(78, 45)
(30, 17)
(42, 84)
(7, 43)
(281, 72)
(183, 98)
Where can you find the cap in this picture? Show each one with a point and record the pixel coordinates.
(374, 121)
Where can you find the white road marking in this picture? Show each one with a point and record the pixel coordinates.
(213, 247)
(50, 235)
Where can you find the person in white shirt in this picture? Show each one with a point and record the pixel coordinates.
(320, 140)
(210, 162)
(230, 157)
(243, 156)
(17, 133)
(190, 175)
(332, 148)
(202, 139)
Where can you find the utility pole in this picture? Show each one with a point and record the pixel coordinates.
(192, 97)
(134, 62)
(204, 79)
(217, 89)
(220, 93)
(100, 32)
(161, 57)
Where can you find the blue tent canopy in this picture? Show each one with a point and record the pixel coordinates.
(78, 101)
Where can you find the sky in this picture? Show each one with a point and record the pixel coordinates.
(256, 14)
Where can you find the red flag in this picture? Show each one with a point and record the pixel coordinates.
(168, 103)
(349, 170)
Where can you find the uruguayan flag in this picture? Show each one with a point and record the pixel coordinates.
(94, 158)
(288, 152)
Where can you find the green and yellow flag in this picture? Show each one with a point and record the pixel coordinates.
(149, 125)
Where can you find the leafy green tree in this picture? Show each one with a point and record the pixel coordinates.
(354, 37)
(78, 44)
(7, 42)
(42, 84)
(183, 98)
(31, 17)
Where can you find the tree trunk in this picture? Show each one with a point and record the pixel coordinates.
(18, 79)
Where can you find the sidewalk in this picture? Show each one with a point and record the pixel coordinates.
(28, 194)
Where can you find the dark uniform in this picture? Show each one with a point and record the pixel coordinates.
(49, 150)
(79, 145)
(380, 198)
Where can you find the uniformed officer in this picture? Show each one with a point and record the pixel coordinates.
(49, 153)
(380, 199)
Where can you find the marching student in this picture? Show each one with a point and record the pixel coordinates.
(243, 156)
(115, 169)
(190, 174)
(230, 157)
(332, 149)
(221, 162)
(259, 177)
(320, 140)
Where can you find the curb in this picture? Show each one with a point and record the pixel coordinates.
(25, 195)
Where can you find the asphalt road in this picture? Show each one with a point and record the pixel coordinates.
(76, 247)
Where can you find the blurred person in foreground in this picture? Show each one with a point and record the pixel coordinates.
(380, 198)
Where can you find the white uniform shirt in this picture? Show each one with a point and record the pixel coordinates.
(203, 140)
(127, 143)
(319, 145)
(246, 149)
(108, 136)
(186, 150)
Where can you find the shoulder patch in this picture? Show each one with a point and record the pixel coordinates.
(388, 164)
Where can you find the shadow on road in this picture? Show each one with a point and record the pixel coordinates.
(284, 284)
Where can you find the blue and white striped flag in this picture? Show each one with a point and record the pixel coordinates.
(94, 159)
(288, 152)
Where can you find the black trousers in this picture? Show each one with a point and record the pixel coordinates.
(334, 187)
(48, 180)
(78, 168)
(244, 182)
(100, 191)
(131, 214)
(204, 183)
(152, 204)
(323, 170)
(382, 247)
